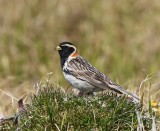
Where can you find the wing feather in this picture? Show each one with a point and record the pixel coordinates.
(82, 69)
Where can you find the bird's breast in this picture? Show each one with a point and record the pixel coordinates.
(77, 83)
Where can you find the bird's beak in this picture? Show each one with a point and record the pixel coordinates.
(58, 48)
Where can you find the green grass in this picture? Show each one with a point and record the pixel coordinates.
(52, 109)
(121, 38)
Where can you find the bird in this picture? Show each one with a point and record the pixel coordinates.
(83, 76)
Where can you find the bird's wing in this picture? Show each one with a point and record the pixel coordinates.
(82, 69)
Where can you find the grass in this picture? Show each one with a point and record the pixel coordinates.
(53, 109)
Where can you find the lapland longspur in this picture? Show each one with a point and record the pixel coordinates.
(83, 76)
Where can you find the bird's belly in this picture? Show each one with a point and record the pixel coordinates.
(79, 84)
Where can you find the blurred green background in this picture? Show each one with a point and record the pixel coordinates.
(120, 37)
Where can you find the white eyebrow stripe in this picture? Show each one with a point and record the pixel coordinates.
(69, 46)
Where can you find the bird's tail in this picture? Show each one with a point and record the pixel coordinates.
(133, 97)
(121, 90)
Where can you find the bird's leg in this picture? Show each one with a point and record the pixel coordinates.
(89, 93)
(85, 93)
(68, 87)
(80, 93)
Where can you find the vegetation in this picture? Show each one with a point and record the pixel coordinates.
(53, 109)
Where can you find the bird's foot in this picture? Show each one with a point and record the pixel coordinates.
(85, 94)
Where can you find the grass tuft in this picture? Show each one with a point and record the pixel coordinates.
(52, 109)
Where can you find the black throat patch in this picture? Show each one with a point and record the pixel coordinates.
(65, 53)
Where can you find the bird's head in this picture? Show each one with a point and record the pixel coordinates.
(66, 50)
